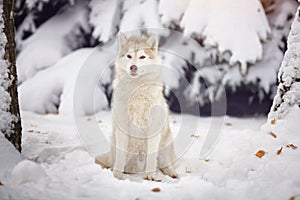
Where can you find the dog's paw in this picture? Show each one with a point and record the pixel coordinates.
(170, 172)
(150, 176)
(118, 174)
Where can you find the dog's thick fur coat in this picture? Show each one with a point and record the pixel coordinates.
(141, 137)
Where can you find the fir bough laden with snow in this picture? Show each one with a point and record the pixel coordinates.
(288, 93)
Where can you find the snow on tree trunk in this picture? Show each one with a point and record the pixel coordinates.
(288, 92)
(10, 122)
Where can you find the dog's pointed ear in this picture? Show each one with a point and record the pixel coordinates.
(153, 41)
(122, 38)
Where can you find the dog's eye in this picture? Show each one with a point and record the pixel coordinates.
(142, 57)
(129, 56)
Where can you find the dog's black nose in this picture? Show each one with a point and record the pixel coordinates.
(133, 68)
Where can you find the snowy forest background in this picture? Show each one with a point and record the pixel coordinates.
(246, 41)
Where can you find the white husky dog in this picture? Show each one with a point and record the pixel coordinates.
(141, 137)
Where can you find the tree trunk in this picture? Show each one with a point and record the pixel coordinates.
(288, 92)
(10, 55)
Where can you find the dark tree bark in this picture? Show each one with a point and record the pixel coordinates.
(10, 56)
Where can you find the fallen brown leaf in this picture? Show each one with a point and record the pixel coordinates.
(30, 131)
(157, 180)
(195, 136)
(228, 124)
(273, 121)
(279, 151)
(273, 134)
(260, 153)
(156, 189)
(291, 146)
(294, 197)
(206, 160)
(187, 170)
(51, 113)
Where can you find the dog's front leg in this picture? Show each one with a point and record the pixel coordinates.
(152, 152)
(121, 153)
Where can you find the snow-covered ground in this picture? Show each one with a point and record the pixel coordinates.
(58, 166)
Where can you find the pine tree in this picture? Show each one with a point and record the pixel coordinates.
(10, 122)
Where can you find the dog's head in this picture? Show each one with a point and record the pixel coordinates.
(138, 55)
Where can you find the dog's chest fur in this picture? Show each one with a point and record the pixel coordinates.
(141, 102)
(135, 101)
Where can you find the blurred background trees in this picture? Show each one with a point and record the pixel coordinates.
(240, 45)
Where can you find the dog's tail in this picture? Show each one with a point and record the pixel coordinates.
(104, 160)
